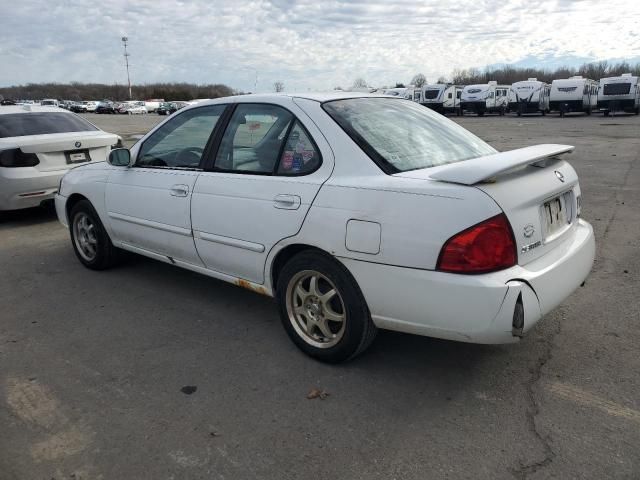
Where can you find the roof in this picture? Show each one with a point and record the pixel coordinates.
(30, 109)
(318, 97)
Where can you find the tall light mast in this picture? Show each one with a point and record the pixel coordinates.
(126, 61)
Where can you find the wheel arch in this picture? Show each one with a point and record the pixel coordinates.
(285, 254)
(72, 201)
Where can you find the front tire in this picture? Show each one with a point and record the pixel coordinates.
(90, 240)
(322, 308)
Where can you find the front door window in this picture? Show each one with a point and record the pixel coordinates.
(181, 141)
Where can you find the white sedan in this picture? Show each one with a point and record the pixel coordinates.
(38, 145)
(136, 109)
(356, 212)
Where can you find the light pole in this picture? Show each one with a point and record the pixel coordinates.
(126, 61)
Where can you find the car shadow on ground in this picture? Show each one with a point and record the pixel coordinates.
(28, 216)
(258, 313)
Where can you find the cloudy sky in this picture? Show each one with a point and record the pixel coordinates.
(307, 44)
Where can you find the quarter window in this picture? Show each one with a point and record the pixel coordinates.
(300, 155)
(181, 141)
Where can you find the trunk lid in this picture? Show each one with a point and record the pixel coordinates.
(61, 151)
(538, 192)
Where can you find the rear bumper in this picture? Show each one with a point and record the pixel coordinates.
(479, 106)
(27, 187)
(626, 105)
(475, 308)
(524, 107)
(567, 105)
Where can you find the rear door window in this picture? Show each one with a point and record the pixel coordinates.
(253, 139)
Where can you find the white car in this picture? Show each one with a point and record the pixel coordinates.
(355, 211)
(91, 106)
(38, 145)
(136, 109)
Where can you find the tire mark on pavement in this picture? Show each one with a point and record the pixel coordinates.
(582, 397)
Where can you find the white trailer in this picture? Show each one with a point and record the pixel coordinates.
(443, 98)
(484, 98)
(574, 94)
(394, 92)
(529, 96)
(619, 94)
(49, 102)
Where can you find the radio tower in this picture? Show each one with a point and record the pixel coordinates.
(126, 61)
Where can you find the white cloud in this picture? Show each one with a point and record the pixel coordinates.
(307, 44)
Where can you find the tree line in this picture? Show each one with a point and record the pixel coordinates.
(97, 91)
(507, 75)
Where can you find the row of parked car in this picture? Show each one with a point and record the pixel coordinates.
(132, 107)
(128, 107)
(574, 94)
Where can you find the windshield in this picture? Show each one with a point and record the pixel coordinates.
(616, 88)
(431, 94)
(401, 136)
(39, 123)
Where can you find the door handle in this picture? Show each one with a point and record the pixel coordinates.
(179, 190)
(287, 202)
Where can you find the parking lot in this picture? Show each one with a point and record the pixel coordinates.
(147, 371)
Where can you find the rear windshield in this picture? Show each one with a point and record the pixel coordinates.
(401, 135)
(39, 123)
(616, 88)
(431, 94)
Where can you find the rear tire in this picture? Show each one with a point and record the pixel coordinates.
(328, 327)
(90, 240)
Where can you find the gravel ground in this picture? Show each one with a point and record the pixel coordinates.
(147, 371)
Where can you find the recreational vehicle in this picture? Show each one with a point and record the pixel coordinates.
(49, 102)
(395, 92)
(413, 93)
(484, 98)
(619, 94)
(574, 94)
(442, 98)
(529, 96)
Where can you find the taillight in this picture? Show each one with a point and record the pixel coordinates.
(17, 158)
(485, 247)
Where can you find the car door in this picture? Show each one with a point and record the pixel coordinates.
(268, 168)
(148, 204)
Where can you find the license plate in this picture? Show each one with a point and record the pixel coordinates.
(555, 214)
(77, 157)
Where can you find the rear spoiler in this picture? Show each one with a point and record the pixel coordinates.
(470, 172)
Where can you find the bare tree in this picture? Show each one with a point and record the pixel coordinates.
(442, 80)
(418, 80)
(359, 83)
(278, 86)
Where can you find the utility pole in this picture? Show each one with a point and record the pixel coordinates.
(126, 60)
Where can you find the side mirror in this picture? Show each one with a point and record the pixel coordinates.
(119, 157)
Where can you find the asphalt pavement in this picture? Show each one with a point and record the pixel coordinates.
(147, 371)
